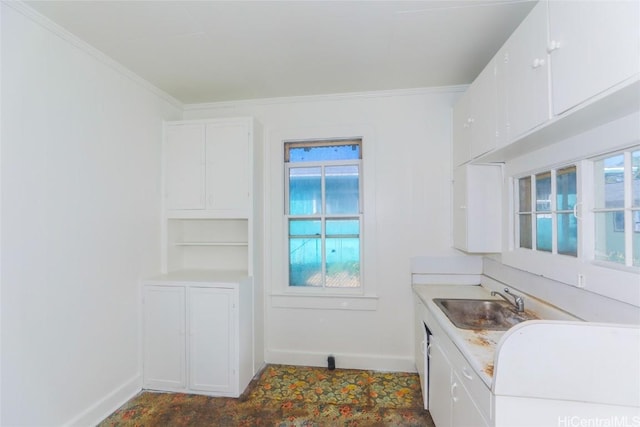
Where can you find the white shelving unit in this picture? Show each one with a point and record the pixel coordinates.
(201, 315)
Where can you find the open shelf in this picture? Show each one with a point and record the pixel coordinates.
(207, 244)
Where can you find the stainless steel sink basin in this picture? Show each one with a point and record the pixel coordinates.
(479, 314)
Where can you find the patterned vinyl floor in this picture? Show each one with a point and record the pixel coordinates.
(289, 396)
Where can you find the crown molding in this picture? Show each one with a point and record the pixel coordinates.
(97, 54)
(328, 97)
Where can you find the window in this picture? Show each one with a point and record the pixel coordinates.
(545, 215)
(616, 208)
(323, 208)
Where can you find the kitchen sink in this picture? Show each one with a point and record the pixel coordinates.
(480, 314)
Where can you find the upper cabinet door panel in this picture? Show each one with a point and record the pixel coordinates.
(185, 174)
(228, 167)
(527, 73)
(594, 45)
(483, 111)
(461, 130)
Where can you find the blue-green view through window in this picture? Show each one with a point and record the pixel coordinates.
(324, 214)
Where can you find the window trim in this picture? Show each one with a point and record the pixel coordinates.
(322, 216)
(619, 283)
(553, 210)
(627, 209)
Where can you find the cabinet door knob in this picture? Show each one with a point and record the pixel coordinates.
(537, 63)
(553, 45)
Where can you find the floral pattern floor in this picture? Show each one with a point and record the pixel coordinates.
(289, 396)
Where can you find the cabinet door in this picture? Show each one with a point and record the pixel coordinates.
(464, 411)
(420, 352)
(439, 385)
(594, 44)
(477, 201)
(164, 337)
(461, 130)
(483, 112)
(211, 340)
(228, 164)
(460, 208)
(184, 166)
(528, 73)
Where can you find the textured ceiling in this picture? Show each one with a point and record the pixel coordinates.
(206, 51)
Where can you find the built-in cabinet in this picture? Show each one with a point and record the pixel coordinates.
(198, 333)
(525, 76)
(452, 403)
(563, 54)
(198, 316)
(474, 118)
(593, 45)
(208, 168)
(209, 197)
(568, 62)
(477, 207)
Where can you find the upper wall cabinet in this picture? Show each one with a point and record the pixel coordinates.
(474, 118)
(208, 168)
(594, 45)
(526, 74)
(578, 59)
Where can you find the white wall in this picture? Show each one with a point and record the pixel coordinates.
(407, 212)
(80, 223)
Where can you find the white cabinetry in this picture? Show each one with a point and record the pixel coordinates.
(209, 197)
(452, 403)
(594, 46)
(439, 385)
(208, 168)
(527, 74)
(477, 202)
(164, 337)
(474, 118)
(568, 67)
(197, 333)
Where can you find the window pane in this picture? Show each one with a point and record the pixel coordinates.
(304, 227)
(543, 232)
(342, 189)
(567, 234)
(343, 262)
(342, 227)
(323, 152)
(566, 188)
(525, 231)
(609, 244)
(524, 194)
(305, 261)
(305, 197)
(543, 192)
(635, 175)
(609, 182)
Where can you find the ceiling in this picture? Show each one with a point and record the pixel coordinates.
(207, 51)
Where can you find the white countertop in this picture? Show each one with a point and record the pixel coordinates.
(477, 346)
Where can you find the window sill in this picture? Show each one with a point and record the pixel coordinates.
(325, 302)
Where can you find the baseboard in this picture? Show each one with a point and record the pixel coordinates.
(343, 361)
(104, 407)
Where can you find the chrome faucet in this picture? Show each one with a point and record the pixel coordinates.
(517, 299)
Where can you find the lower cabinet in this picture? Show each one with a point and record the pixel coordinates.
(450, 401)
(195, 339)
